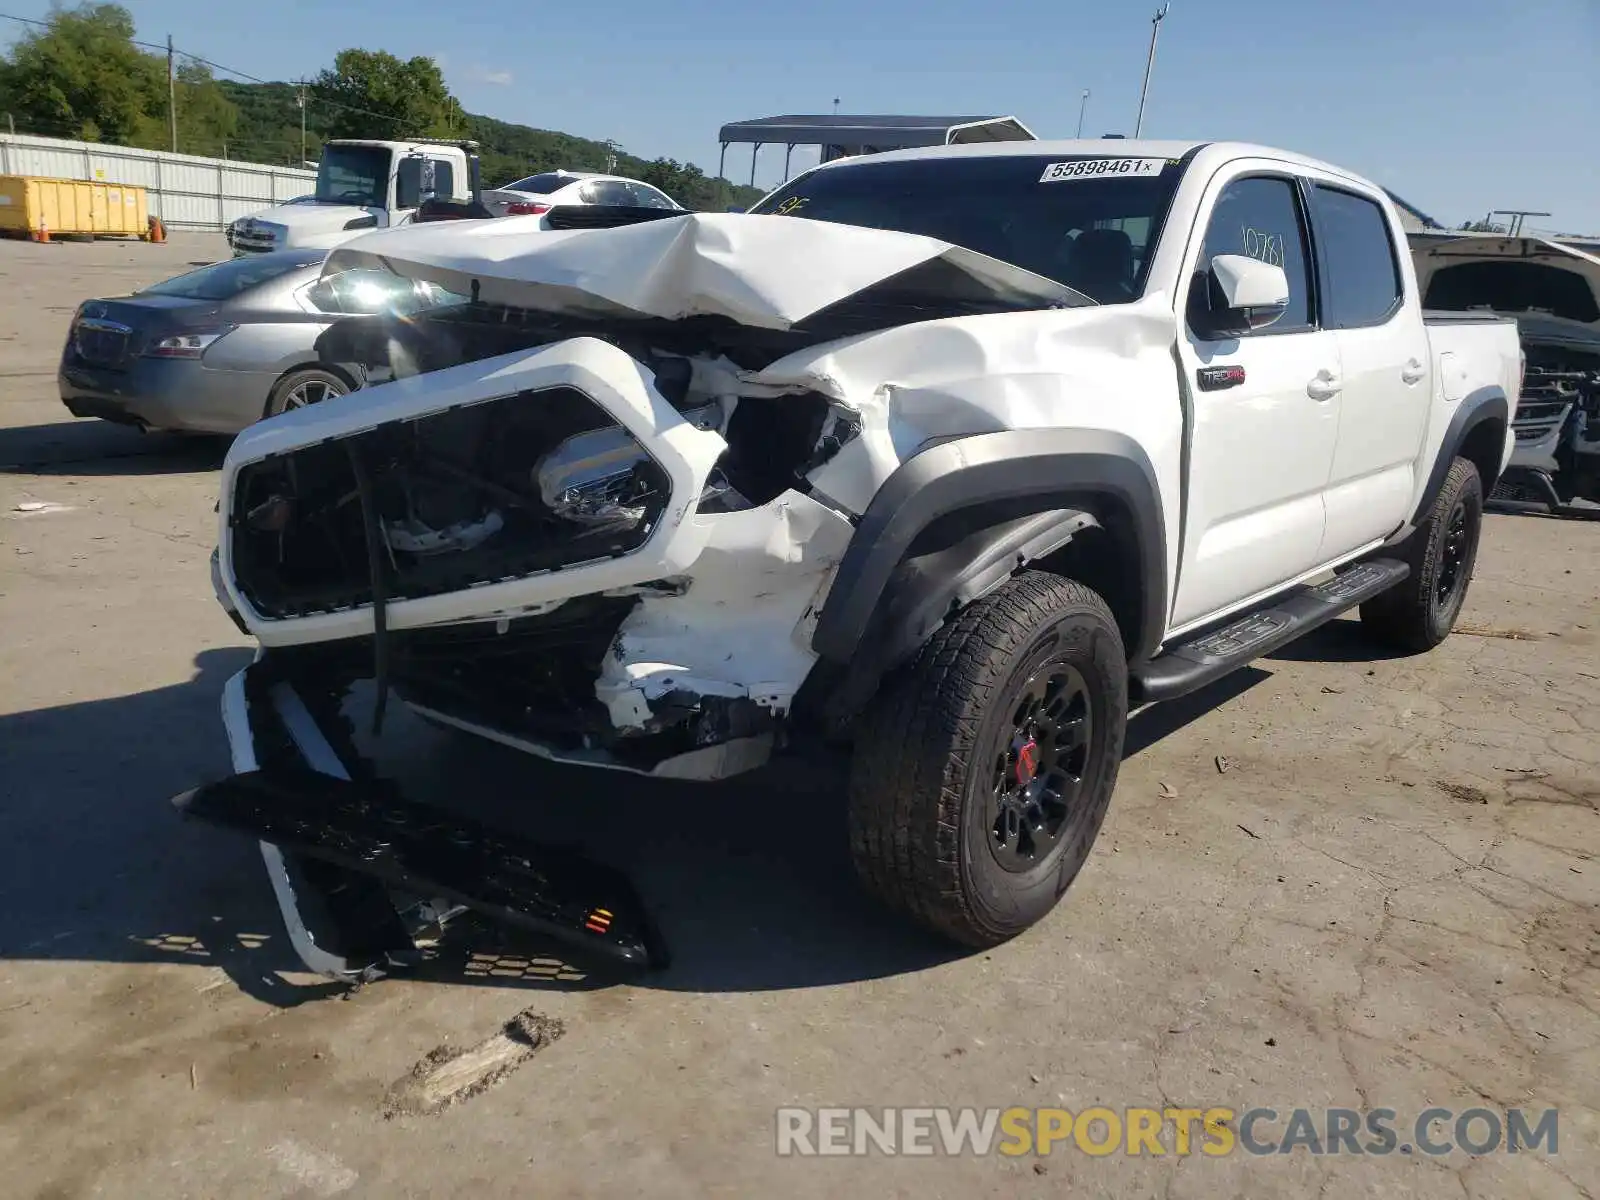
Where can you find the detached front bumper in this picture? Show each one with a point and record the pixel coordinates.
(356, 866)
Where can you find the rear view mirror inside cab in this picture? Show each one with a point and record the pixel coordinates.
(1237, 295)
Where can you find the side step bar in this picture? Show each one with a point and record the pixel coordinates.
(1205, 658)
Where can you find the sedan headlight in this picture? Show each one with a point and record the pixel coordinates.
(185, 345)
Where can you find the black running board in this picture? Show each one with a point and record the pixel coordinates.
(369, 830)
(1207, 657)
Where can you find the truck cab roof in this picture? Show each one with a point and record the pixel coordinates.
(1206, 154)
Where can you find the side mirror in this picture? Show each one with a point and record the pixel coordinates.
(1239, 296)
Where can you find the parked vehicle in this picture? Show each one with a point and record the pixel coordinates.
(1552, 290)
(362, 185)
(218, 348)
(538, 194)
(953, 455)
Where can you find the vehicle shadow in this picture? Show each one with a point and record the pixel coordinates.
(749, 880)
(87, 447)
(1339, 641)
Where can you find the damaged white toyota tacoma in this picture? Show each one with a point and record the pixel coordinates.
(954, 454)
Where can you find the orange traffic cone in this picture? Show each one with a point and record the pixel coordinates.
(158, 231)
(42, 234)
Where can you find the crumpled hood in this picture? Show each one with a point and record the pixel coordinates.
(762, 271)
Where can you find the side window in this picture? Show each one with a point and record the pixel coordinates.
(444, 177)
(609, 191)
(649, 197)
(359, 292)
(1260, 218)
(1360, 274)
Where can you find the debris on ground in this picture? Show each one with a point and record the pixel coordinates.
(1488, 631)
(30, 508)
(447, 1076)
(1223, 764)
(1251, 832)
(1168, 792)
(1464, 792)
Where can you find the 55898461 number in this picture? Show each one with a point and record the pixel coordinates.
(1102, 168)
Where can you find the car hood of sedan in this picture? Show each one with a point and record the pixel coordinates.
(763, 271)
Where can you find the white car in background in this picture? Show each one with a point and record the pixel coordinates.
(536, 195)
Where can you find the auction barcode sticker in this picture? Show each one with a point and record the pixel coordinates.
(1101, 168)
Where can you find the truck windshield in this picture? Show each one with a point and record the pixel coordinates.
(353, 175)
(1089, 222)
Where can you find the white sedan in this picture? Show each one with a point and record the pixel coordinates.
(538, 194)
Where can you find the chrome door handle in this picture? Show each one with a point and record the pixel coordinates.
(1413, 371)
(1324, 385)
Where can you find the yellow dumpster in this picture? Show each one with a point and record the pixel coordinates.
(31, 207)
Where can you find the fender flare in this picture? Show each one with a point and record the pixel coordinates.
(1484, 405)
(1049, 483)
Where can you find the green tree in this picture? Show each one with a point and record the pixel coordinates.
(82, 77)
(206, 117)
(373, 94)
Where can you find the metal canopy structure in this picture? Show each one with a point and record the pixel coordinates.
(842, 136)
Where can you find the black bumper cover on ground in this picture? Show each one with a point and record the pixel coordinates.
(344, 842)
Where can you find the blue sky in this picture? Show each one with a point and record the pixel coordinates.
(1458, 105)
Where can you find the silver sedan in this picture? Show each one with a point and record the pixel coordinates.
(216, 349)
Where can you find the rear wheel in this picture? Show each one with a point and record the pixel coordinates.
(1419, 613)
(297, 389)
(984, 769)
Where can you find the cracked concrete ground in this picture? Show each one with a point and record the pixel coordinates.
(1390, 898)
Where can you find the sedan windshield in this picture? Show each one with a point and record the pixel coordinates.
(1086, 222)
(356, 175)
(225, 280)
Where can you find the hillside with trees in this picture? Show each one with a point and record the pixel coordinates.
(83, 75)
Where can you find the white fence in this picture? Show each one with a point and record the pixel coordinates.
(185, 191)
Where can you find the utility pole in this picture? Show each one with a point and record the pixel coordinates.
(172, 97)
(1155, 32)
(302, 122)
(1083, 107)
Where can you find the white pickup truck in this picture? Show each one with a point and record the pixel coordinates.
(955, 455)
(362, 185)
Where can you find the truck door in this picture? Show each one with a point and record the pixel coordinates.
(1383, 346)
(1265, 411)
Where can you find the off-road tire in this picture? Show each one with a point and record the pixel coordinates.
(282, 391)
(1419, 613)
(923, 770)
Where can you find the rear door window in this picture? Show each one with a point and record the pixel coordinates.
(609, 191)
(1356, 253)
(1259, 217)
(368, 293)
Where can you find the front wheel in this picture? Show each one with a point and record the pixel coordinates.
(984, 769)
(1420, 613)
